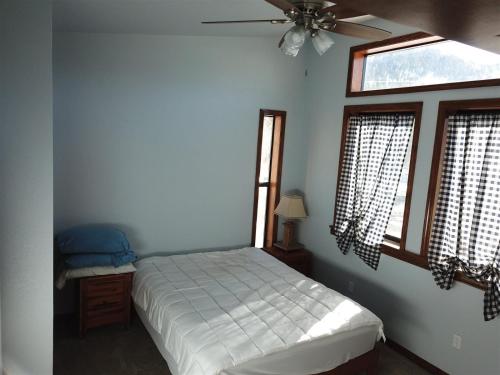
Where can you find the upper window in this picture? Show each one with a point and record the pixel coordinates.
(376, 168)
(419, 62)
(268, 177)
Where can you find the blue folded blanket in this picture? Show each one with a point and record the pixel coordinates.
(96, 260)
(92, 239)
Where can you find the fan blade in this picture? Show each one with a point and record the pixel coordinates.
(282, 40)
(283, 5)
(341, 12)
(281, 21)
(360, 31)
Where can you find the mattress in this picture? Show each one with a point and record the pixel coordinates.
(243, 312)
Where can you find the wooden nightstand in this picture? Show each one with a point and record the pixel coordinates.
(104, 300)
(301, 260)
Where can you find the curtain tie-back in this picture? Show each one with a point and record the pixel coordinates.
(492, 294)
(454, 264)
(345, 238)
(490, 275)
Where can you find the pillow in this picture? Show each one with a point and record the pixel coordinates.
(97, 260)
(92, 239)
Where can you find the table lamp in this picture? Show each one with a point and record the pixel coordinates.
(291, 207)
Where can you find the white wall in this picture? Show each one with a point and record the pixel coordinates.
(26, 215)
(416, 313)
(158, 134)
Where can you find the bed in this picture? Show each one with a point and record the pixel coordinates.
(243, 312)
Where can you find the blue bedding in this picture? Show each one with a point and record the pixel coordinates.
(96, 260)
(92, 239)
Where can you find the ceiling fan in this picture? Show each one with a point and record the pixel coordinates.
(316, 18)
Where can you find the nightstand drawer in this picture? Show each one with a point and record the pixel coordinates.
(105, 287)
(105, 310)
(105, 301)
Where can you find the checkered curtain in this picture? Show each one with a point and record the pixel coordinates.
(466, 231)
(374, 154)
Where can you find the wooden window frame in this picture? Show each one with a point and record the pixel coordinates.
(274, 184)
(398, 247)
(447, 108)
(357, 58)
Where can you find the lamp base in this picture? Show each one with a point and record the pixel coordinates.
(292, 247)
(289, 243)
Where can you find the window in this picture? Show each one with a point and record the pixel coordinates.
(419, 62)
(395, 226)
(377, 162)
(447, 109)
(461, 233)
(268, 177)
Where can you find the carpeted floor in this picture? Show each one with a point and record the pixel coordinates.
(114, 350)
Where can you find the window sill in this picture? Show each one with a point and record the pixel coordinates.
(425, 88)
(407, 256)
(392, 250)
(421, 261)
(459, 276)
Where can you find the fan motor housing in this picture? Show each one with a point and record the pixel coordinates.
(308, 15)
(311, 5)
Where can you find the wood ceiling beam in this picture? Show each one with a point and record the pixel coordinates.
(473, 22)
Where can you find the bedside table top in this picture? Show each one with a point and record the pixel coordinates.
(284, 254)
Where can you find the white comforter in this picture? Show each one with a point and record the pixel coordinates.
(219, 309)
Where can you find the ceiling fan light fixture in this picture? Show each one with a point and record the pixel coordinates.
(293, 40)
(322, 42)
(315, 18)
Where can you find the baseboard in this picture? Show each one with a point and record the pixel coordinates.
(415, 358)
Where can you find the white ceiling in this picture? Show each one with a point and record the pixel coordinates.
(178, 17)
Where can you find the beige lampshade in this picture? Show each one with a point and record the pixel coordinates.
(291, 207)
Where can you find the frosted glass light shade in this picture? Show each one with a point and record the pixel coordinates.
(291, 207)
(322, 42)
(294, 39)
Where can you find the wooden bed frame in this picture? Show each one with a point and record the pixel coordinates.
(366, 363)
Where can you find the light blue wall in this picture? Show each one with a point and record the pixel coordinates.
(416, 313)
(158, 134)
(141, 121)
(26, 215)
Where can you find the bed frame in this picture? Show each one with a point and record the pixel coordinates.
(366, 363)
